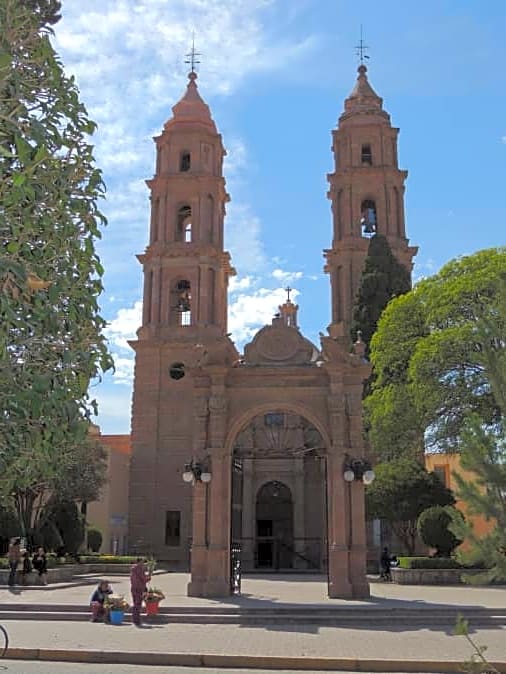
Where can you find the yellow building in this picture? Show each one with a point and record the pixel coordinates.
(445, 466)
(110, 514)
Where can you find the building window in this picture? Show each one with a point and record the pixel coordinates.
(181, 302)
(173, 527)
(368, 220)
(184, 224)
(274, 419)
(185, 162)
(176, 371)
(366, 155)
(441, 473)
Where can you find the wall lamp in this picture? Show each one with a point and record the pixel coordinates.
(358, 469)
(195, 471)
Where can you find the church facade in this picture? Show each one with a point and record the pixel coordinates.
(263, 451)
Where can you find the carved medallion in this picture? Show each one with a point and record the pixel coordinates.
(278, 344)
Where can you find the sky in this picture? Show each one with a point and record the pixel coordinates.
(275, 74)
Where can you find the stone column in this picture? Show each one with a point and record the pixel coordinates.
(358, 546)
(198, 560)
(338, 512)
(338, 581)
(218, 572)
(195, 587)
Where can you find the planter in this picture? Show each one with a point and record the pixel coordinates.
(116, 617)
(152, 607)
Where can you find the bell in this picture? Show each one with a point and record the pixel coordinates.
(369, 228)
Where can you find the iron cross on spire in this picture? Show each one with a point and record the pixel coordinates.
(191, 58)
(288, 291)
(361, 48)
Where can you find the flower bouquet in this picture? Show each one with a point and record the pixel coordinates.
(116, 605)
(152, 597)
(153, 594)
(116, 602)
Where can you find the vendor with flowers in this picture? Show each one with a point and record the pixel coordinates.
(98, 605)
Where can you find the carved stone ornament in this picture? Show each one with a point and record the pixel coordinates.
(279, 345)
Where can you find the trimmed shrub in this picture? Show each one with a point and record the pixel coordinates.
(432, 526)
(94, 540)
(428, 563)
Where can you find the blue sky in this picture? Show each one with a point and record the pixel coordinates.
(275, 73)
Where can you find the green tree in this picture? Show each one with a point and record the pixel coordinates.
(402, 490)
(429, 375)
(433, 528)
(68, 522)
(483, 453)
(382, 279)
(51, 342)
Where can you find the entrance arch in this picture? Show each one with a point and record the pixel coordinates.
(279, 502)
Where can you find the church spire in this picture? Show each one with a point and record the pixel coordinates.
(192, 109)
(363, 98)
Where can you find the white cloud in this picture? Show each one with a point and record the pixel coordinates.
(118, 331)
(124, 326)
(287, 276)
(236, 283)
(249, 312)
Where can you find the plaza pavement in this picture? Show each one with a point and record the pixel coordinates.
(359, 647)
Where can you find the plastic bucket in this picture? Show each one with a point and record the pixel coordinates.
(116, 617)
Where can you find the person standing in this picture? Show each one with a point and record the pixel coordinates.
(13, 556)
(39, 563)
(139, 577)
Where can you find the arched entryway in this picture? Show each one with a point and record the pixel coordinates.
(279, 504)
(274, 544)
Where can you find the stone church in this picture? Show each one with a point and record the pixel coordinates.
(260, 452)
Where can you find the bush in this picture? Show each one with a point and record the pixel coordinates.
(94, 540)
(107, 559)
(432, 526)
(428, 563)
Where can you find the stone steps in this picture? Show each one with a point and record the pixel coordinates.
(338, 616)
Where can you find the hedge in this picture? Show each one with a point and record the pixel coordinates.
(428, 563)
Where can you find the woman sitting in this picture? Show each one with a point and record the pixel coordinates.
(39, 563)
(98, 610)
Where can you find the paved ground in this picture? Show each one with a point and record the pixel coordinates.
(271, 590)
(276, 640)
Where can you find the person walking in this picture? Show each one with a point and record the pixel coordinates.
(39, 563)
(139, 577)
(14, 557)
(386, 563)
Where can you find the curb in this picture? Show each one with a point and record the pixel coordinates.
(273, 662)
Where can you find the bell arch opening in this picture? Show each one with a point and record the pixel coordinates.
(278, 497)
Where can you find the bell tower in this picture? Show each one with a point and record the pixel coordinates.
(184, 320)
(367, 194)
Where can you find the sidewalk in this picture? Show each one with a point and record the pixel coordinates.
(392, 649)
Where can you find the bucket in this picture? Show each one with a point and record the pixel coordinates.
(116, 617)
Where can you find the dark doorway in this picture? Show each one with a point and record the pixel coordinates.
(274, 527)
